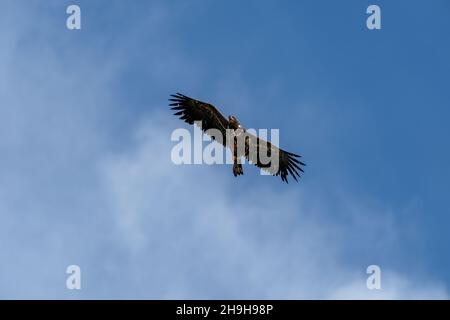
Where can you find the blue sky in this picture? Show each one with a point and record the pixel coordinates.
(86, 176)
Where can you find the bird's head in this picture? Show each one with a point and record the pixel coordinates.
(234, 123)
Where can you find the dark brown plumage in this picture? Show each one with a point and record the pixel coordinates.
(191, 110)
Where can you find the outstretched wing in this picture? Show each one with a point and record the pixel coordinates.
(191, 110)
(287, 161)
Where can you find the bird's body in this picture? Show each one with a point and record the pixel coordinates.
(241, 143)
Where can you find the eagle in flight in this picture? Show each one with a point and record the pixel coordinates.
(205, 114)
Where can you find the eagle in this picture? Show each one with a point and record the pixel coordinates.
(208, 117)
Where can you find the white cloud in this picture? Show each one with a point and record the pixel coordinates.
(205, 236)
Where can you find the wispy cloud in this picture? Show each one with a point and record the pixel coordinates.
(219, 242)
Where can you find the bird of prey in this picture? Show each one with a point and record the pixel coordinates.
(191, 110)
